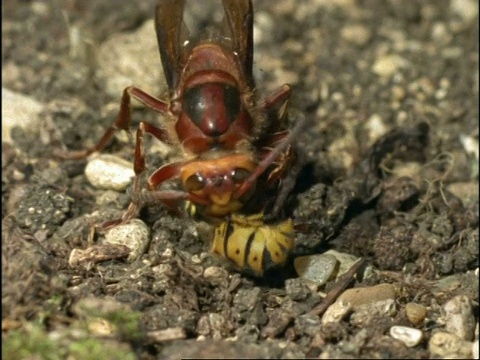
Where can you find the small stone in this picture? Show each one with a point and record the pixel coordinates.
(466, 9)
(448, 346)
(108, 197)
(297, 289)
(216, 275)
(410, 169)
(246, 299)
(135, 235)
(441, 33)
(409, 336)
(475, 349)
(447, 284)
(467, 192)
(388, 65)
(213, 324)
(470, 144)
(356, 34)
(367, 295)
(131, 59)
(109, 172)
(369, 302)
(336, 312)
(459, 317)
(416, 313)
(169, 334)
(100, 327)
(316, 268)
(367, 314)
(376, 127)
(346, 261)
(21, 111)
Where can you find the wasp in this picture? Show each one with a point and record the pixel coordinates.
(234, 148)
(251, 244)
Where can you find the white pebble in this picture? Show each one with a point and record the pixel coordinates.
(109, 172)
(135, 235)
(475, 350)
(467, 9)
(21, 110)
(409, 336)
(448, 346)
(376, 127)
(388, 65)
(459, 317)
(336, 312)
(470, 144)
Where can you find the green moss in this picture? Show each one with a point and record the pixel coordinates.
(100, 349)
(126, 323)
(33, 342)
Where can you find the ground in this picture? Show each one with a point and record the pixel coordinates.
(389, 90)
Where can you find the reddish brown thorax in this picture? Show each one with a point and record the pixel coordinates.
(211, 92)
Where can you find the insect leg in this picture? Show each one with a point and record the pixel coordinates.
(270, 158)
(122, 122)
(287, 185)
(139, 167)
(279, 97)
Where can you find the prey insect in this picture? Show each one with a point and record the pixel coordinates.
(250, 243)
(235, 150)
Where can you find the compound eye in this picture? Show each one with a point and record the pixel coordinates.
(194, 183)
(239, 175)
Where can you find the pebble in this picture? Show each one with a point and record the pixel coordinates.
(470, 145)
(459, 317)
(448, 346)
(412, 170)
(109, 172)
(416, 313)
(346, 261)
(108, 197)
(367, 295)
(467, 192)
(174, 333)
(356, 34)
(376, 127)
(316, 268)
(388, 65)
(447, 284)
(364, 315)
(216, 275)
(336, 312)
(135, 235)
(297, 289)
(409, 336)
(466, 9)
(131, 59)
(378, 300)
(100, 327)
(21, 111)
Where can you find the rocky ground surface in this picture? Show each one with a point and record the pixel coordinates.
(389, 90)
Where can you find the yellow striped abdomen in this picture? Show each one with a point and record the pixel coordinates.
(250, 243)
